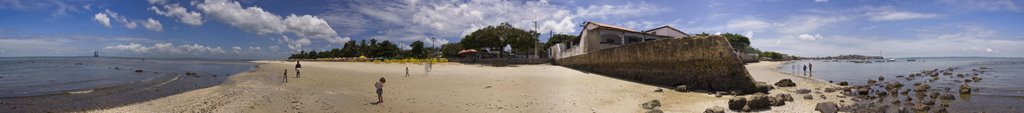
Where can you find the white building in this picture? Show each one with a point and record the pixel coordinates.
(597, 36)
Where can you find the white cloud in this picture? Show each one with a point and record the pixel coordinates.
(605, 11)
(809, 37)
(749, 34)
(156, 1)
(153, 25)
(951, 41)
(984, 5)
(295, 45)
(808, 23)
(183, 15)
(890, 14)
(819, 1)
(255, 19)
(167, 49)
(748, 24)
(103, 19)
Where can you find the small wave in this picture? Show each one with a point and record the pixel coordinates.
(81, 92)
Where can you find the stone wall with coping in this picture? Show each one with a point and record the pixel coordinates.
(700, 63)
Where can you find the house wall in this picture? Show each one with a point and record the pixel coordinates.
(703, 63)
(668, 32)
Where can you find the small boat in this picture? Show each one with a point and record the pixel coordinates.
(911, 60)
(891, 59)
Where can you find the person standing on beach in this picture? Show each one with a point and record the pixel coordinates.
(298, 68)
(406, 71)
(810, 69)
(380, 90)
(285, 76)
(805, 69)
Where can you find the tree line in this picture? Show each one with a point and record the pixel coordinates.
(369, 49)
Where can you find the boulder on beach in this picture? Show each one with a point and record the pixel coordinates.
(934, 95)
(922, 88)
(776, 101)
(681, 88)
(843, 83)
(737, 103)
(716, 109)
(784, 97)
(802, 91)
(808, 97)
(827, 107)
(829, 90)
(653, 104)
(922, 107)
(658, 90)
(763, 87)
(881, 78)
(758, 101)
(785, 83)
(138, 71)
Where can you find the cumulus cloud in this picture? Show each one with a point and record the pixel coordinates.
(629, 9)
(153, 25)
(103, 19)
(809, 37)
(819, 1)
(808, 23)
(295, 45)
(183, 15)
(748, 24)
(256, 20)
(983, 5)
(889, 14)
(167, 48)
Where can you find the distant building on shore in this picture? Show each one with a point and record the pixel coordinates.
(597, 36)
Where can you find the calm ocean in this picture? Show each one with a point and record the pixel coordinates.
(1001, 90)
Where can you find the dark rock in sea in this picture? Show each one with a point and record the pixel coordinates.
(976, 78)
(881, 93)
(863, 91)
(947, 96)
(903, 110)
(900, 76)
(827, 107)
(784, 97)
(808, 97)
(881, 78)
(967, 80)
(922, 107)
(681, 88)
(947, 73)
(941, 110)
(653, 104)
(934, 95)
(893, 85)
(908, 99)
(785, 83)
(843, 83)
(737, 103)
(759, 101)
(138, 71)
(960, 75)
(921, 88)
(872, 81)
(829, 90)
(897, 102)
(802, 91)
(716, 109)
(965, 89)
(905, 92)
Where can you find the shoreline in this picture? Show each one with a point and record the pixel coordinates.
(450, 87)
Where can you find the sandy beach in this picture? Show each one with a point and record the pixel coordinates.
(453, 87)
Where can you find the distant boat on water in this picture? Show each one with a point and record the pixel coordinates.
(891, 60)
(911, 60)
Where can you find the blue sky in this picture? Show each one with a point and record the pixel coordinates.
(275, 28)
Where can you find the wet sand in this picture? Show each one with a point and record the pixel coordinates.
(450, 87)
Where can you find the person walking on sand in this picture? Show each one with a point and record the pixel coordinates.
(285, 76)
(298, 68)
(380, 90)
(406, 71)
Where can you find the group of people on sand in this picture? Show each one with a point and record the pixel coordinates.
(379, 85)
(808, 69)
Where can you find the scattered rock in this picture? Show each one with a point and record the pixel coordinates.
(827, 107)
(716, 109)
(829, 90)
(785, 83)
(863, 91)
(655, 111)
(921, 88)
(921, 107)
(681, 88)
(947, 96)
(808, 97)
(138, 71)
(737, 103)
(746, 109)
(881, 93)
(872, 81)
(719, 94)
(763, 87)
(967, 80)
(934, 95)
(784, 97)
(843, 83)
(776, 101)
(802, 91)
(655, 90)
(976, 78)
(880, 78)
(965, 89)
(653, 104)
(759, 101)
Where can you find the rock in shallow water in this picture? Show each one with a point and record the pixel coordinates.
(843, 83)
(965, 89)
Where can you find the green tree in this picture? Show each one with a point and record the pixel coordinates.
(417, 49)
(494, 38)
(558, 38)
(451, 49)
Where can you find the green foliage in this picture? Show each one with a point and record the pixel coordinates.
(558, 38)
(737, 41)
(494, 38)
(417, 49)
(451, 49)
(772, 55)
(385, 49)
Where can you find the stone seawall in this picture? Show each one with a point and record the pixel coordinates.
(701, 63)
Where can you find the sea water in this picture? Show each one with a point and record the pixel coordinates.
(1000, 90)
(35, 76)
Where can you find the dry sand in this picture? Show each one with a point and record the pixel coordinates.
(449, 87)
